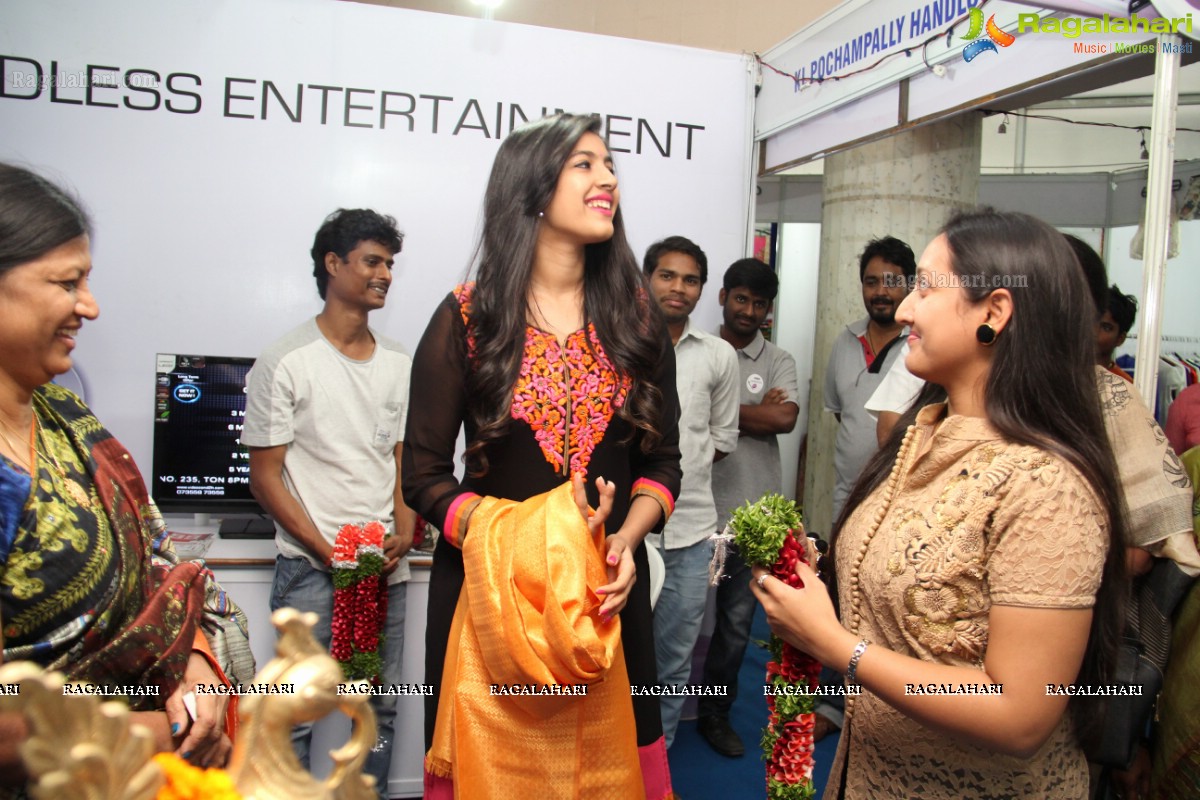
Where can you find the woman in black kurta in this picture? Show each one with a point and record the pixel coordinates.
(567, 415)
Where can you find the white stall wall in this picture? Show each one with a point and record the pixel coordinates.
(209, 140)
(795, 328)
(1180, 319)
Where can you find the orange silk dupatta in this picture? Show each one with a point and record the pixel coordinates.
(526, 623)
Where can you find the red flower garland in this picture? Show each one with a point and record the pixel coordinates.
(770, 533)
(359, 601)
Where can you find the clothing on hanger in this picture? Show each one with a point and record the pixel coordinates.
(1172, 378)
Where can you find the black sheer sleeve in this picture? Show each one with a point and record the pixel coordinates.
(657, 473)
(437, 406)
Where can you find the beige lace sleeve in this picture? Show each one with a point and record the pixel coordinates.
(1049, 537)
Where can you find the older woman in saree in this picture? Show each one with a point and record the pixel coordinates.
(89, 582)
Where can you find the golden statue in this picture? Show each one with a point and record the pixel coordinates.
(80, 748)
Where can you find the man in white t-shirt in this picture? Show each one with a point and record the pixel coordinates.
(325, 413)
(892, 397)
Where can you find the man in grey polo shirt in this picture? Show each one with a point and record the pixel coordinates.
(861, 356)
(325, 413)
(769, 397)
(706, 375)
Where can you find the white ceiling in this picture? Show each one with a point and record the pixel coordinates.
(1062, 147)
(758, 24)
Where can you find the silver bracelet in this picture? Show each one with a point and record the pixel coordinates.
(852, 667)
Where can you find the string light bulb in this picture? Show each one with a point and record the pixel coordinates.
(1003, 125)
(1145, 153)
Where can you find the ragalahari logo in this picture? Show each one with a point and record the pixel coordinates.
(995, 35)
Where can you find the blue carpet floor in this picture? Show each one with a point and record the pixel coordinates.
(699, 773)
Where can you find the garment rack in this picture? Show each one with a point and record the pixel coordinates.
(1189, 339)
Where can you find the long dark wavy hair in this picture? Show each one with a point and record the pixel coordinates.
(1040, 391)
(524, 177)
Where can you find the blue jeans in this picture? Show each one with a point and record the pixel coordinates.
(678, 616)
(735, 613)
(301, 586)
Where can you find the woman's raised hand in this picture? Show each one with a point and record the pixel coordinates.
(618, 557)
(595, 519)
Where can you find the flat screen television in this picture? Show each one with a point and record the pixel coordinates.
(200, 464)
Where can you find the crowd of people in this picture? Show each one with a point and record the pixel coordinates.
(1001, 495)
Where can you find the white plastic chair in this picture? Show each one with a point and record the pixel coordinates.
(658, 572)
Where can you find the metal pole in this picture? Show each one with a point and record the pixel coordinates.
(1019, 159)
(1157, 225)
(750, 217)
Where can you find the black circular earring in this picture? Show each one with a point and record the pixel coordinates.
(986, 334)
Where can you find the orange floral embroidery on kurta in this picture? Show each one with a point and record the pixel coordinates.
(557, 381)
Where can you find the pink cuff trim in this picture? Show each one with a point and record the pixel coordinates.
(454, 517)
(657, 491)
(656, 771)
(438, 788)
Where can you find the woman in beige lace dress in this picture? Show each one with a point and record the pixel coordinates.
(978, 559)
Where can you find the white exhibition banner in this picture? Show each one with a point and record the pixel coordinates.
(841, 76)
(209, 139)
(855, 49)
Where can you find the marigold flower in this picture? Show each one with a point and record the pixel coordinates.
(187, 782)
